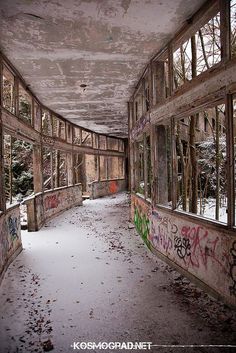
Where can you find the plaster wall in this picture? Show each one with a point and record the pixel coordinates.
(107, 187)
(44, 206)
(10, 239)
(200, 249)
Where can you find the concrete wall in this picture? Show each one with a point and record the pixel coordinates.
(201, 250)
(107, 187)
(44, 206)
(10, 237)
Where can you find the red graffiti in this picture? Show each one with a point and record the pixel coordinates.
(51, 201)
(113, 187)
(202, 248)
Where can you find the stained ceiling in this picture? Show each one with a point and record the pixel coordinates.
(82, 58)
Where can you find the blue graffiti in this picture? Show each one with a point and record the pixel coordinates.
(13, 226)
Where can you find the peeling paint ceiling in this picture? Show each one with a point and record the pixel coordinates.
(103, 45)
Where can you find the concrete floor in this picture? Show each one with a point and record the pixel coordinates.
(87, 276)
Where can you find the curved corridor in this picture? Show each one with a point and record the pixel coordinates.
(87, 276)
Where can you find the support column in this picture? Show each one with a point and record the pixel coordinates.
(2, 192)
(162, 163)
(37, 168)
(70, 168)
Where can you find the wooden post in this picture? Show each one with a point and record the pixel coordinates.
(2, 191)
(153, 139)
(145, 165)
(170, 68)
(162, 172)
(70, 168)
(225, 29)
(174, 163)
(37, 168)
(230, 128)
(160, 81)
(16, 96)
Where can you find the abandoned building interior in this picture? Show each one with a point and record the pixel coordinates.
(165, 131)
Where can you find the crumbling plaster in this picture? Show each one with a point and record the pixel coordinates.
(59, 45)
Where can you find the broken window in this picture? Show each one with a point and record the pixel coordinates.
(149, 166)
(8, 90)
(46, 123)
(25, 105)
(95, 140)
(69, 132)
(77, 136)
(233, 27)
(113, 167)
(234, 147)
(78, 167)
(63, 174)
(91, 168)
(102, 142)
(140, 182)
(182, 61)
(112, 144)
(208, 45)
(47, 168)
(58, 128)
(103, 168)
(164, 165)
(201, 165)
(166, 78)
(18, 169)
(121, 162)
(146, 96)
(37, 116)
(86, 138)
(121, 146)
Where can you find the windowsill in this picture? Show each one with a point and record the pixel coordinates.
(195, 217)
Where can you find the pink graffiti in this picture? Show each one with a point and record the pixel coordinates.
(161, 239)
(51, 201)
(202, 248)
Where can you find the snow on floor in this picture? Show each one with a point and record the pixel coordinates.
(87, 276)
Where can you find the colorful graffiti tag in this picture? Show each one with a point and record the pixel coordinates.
(51, 201)
(192, 245)
(113, 187)
(232, 271)
(13, 227)
(162, 232)
(142, 224)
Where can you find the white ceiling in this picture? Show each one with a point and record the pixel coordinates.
(105, 44)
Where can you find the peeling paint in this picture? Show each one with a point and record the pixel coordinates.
(58, 44)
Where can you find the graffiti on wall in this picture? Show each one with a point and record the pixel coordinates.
(182, 246)
(142, 224)
(140, 126)
(141, 217)
(163, 231)
(192, 245)
(113, 187)
(13, 225)
(4, 244)
(232, 271)
(51, 201)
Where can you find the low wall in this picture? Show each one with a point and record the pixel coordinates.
(106, 187)
(10, 237)
(203, 251)
(43, 206)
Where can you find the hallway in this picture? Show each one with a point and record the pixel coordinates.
(87, 276)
